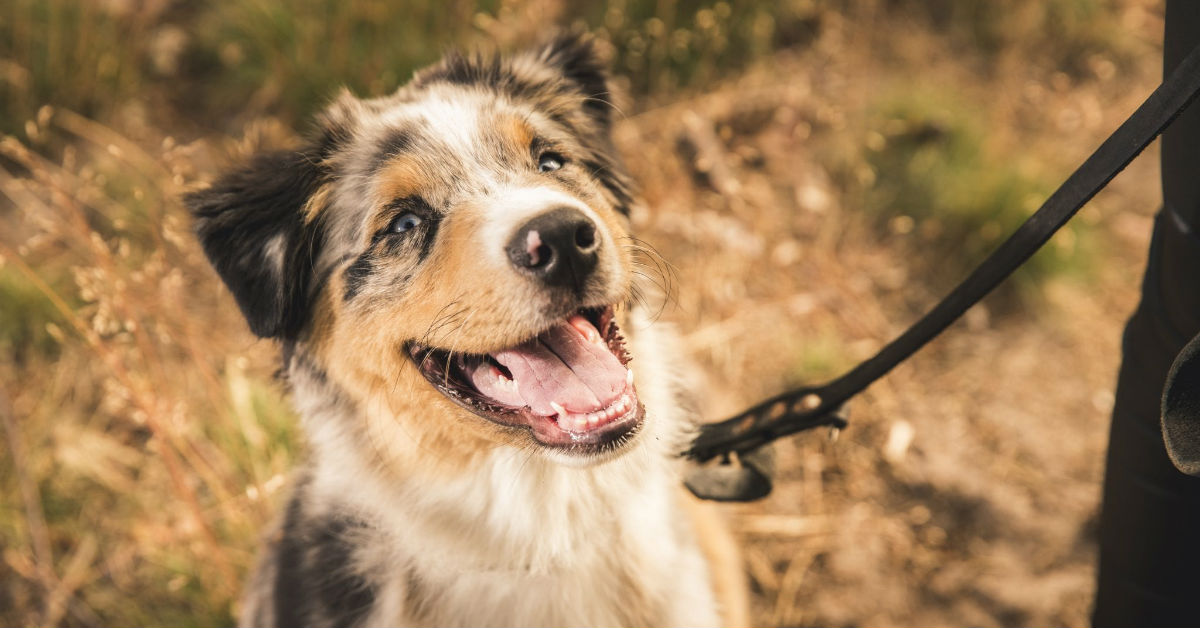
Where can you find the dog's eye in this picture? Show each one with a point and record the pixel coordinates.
(549, 162)
(405, 222)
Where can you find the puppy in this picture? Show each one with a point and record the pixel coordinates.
(494, 424)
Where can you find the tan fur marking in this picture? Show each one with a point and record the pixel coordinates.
(316, 204)
(518, 132)
(364, 352)
(412, 428)
(400, 179)
(725, 566)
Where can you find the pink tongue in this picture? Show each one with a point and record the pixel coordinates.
(560, 366)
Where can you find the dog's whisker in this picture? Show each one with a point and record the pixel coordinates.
(600, 97)
(663, 305)
(454, 345)
(441, 316)
(650, 278)
(663, 288)
(438, 315)
(666, 267)
(452, 321)
(657, 265)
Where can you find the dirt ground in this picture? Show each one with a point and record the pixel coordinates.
(966, 489)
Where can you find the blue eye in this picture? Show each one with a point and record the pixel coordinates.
(405, 222)
(549, 162)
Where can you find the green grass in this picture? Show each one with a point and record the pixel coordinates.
(287, 60)
(938, 178)
(220, 62)
(77, 55)
(224, 62)
(1066, 33)
(665, 46)
(820, 356)
(25, 317)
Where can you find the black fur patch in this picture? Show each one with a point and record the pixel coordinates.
(329, 135)
(346, 596)
(485, 71)
(572, 54)
(385, 243)
(395, 142)
(357, 274)
(250, 225)
(291, 600)
(428, 238)
(603, 172)
(316, 584)
(576, 57)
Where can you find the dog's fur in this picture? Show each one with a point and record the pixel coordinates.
(413, 509)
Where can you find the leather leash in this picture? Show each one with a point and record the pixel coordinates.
(746, 433)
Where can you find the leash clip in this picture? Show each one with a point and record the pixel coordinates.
(745, 472)
(737, 478)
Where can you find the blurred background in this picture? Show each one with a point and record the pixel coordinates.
(817, 173)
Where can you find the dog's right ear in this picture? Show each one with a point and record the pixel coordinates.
(252, 226)
(261, 224)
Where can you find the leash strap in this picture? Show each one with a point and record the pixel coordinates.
(807, 408)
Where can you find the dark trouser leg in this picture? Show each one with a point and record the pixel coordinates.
(1150, 525)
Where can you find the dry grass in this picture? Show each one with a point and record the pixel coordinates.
(141, 448)
(146, 441)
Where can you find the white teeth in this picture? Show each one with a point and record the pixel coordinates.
(629, 377)
(578, 421)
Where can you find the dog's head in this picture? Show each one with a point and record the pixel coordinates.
(455, 253)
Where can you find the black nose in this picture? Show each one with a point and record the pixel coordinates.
(559, 247)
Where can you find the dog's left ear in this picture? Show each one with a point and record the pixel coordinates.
(574, 54)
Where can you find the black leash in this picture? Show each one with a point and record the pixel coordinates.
(807, 408)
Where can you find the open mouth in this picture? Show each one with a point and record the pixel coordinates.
(569, 385)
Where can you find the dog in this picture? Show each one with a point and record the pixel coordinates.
(494, 421)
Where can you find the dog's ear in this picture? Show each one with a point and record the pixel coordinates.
(252, 226)
(260, 225)
(574, 55)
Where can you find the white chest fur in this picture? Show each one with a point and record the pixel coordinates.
(524, 540)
